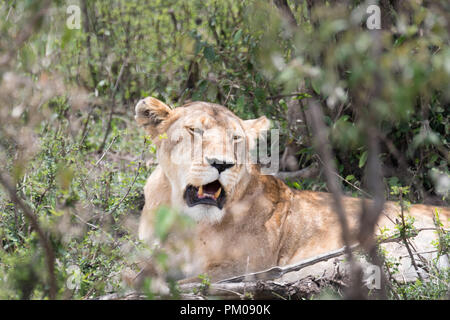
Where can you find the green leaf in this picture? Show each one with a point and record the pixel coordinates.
(56, 212)
(315, 85)
(198, 46)
(303, 96)
(260, 95)
(393, 181)
(66, 37)
(350, 177)
(362, 159)
(27, 56)
(209, 53)
(237, 36)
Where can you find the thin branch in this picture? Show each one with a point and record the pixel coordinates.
(93, 226)
(279, 96)
(128, 191)
(300, 289)
(346, 181)
(85, 130)
(87, 30)
(113, 102)
(371, 211)
(400, 238)
(325, 152)
(285, 10)
(305, 173)
(404, 238)
(324, 149)
(277, 272)
(419, 253)
(105, 152)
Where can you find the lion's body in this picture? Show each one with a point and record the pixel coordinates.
(264, 222)
(275, 225)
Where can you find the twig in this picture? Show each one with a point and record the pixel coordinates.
(89, 224)
(85, 126)
(113, 102)
(371, 212)
(114, 241)
(405, 240)
(393, 150)
(228, 95)
(302, 288)
(279, 96)
(308, 172)
(325, 152)
(87, 30)
(277, 272)
(106, 151)
(443, 247)
(419, 253)
(346, 181)
(286, 12)
(102, 156)
(400, 238)
(128, 191)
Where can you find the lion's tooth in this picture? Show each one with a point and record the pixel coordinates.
(200, 191)
(216, 195)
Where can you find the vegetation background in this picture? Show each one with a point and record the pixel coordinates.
(74, 163)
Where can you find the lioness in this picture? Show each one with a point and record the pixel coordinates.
(246, 221)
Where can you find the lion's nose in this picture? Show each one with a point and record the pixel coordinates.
(219, 165)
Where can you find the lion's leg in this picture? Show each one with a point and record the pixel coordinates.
(157, 192)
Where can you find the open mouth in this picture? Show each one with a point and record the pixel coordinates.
(211, 194)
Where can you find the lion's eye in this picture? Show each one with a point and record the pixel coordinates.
(194, 130)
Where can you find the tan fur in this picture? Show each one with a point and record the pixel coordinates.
(264, 222)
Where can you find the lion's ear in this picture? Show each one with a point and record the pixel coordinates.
(254, 128)
(150, 114)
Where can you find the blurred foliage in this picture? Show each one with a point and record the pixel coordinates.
(58, 86)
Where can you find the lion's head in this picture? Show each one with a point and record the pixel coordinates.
(203, 149)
